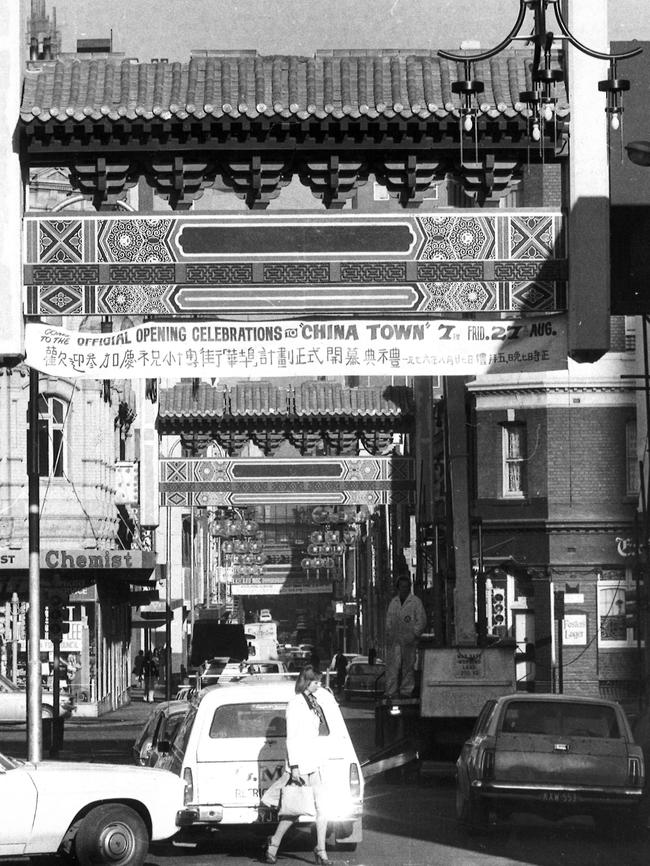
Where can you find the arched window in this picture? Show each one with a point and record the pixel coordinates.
(51, 417)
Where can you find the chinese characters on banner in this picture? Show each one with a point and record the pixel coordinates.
(302, 348)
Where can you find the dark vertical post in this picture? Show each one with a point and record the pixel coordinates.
(640, 608)
(645, 541)
(34, 697)
(481, 602)
(559, 620)
(168, 611)
(457, 457)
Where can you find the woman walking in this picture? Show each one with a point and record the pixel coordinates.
(306, 756)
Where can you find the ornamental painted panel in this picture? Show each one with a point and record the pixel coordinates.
(252, 481)
(359, 264)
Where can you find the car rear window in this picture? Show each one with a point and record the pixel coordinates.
(561, 719)
(368, 670)
(171, 727)
(249, 720)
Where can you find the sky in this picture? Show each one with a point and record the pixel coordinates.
(172, 28)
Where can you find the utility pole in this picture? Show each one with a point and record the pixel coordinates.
(456, 446)
(34, 696)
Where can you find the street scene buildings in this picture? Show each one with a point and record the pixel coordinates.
(234, 190)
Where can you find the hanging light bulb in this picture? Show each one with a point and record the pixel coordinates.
(548, 113)
(468, 123)
(536, 132)
(615, 122)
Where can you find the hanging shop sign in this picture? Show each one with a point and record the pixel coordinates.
(278, 348)
(259, 586)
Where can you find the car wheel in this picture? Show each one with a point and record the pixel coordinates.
(111, 834)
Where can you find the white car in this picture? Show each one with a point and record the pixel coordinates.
(95, 813)
(265, 615)
(231, 747)
(13, 703)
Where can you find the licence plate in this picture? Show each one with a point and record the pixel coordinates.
(560, 797)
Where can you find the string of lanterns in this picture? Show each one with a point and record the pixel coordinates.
(242, 541)
(327, 546)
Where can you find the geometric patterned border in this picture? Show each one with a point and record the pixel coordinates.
(252, 481)
(369, 299)
(296, 265)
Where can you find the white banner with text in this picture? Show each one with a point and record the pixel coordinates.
(399, 347)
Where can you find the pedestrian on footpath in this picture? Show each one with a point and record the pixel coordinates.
(137, 666)
(150, 674)
(341, 667)
(406, 620)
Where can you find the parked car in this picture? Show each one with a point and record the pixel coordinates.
(95, 813)
(329, 676)
(233, 671)
(265, 615)
(266, 666)
(162, 724)
(553, 755)
(13, 703)
(364, 680)
(232, 746)
(215, 670)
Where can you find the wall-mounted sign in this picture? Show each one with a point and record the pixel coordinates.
(70, 559)
(574, 629)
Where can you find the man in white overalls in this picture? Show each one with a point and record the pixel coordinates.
(405, 621)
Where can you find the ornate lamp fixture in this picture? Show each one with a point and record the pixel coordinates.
(541, 99)
(241, 540)
(327, 546)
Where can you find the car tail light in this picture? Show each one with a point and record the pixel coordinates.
(634, 771)
(487, 764)
(355, 781)
(188, 793)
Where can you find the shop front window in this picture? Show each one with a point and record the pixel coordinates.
(612, 624)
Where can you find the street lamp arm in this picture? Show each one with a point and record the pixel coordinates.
(485, 55)
(598, 55)
(539, 34)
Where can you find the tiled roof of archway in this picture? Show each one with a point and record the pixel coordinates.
(331, 398)
(264, 399)
(330, 85)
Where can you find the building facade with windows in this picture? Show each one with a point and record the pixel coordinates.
(556, 491)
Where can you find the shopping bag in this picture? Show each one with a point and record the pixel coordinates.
(297, 800)
(271, 797)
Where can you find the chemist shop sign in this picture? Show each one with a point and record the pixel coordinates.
(70, 559)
